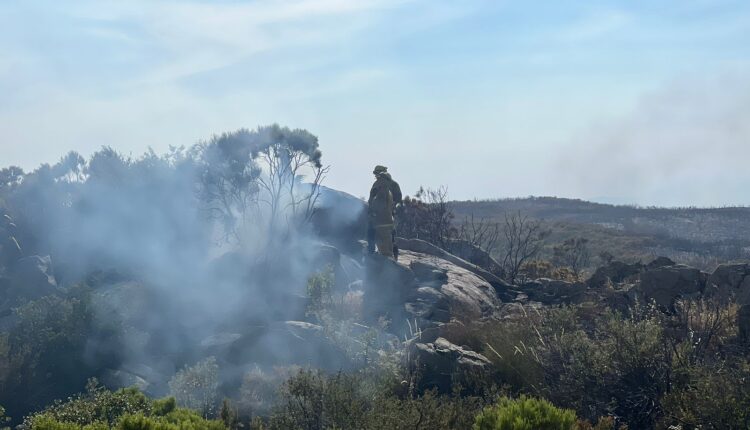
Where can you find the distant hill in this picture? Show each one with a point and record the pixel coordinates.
(700, 236)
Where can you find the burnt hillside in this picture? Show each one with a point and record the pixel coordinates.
(697, 235)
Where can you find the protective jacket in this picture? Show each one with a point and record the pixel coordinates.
(381, 203)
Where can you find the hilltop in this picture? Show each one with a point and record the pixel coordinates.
(699, 236)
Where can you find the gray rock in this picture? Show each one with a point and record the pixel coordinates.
(441, 363)
(730, 281)
(553, 291)
(614, 273)
(428, 272)
(666, 284)
(115, 379)
(422, 247)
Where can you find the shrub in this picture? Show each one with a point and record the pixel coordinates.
(97, 404)
(196, 387)
(369, 400)
(525, 413)
(54, 348)
(711, 397)
(124, 409)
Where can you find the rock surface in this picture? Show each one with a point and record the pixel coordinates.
(421, 291)
(730, 281)
(441, 363)
(553, 292)
(666, 284)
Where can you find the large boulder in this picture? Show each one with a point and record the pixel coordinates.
(420, 291)
(148, 380)
(442, 363)
(666, 284)
(345, 269)
(614, 273)
(553, 291)
(340, 219)
(730, 281)
(475, 255)
(502, 288)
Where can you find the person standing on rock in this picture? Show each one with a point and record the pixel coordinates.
(397, 200)
(380, 211)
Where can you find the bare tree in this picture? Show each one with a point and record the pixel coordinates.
(573, 253)
(481, 233)
(524, 238)
(427, 216)
(439, 218)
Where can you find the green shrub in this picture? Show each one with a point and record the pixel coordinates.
(370, 400)
(96, 405)
(42, 356)
(525, 413)
(179, 419)
(123, 409)
(710, 397)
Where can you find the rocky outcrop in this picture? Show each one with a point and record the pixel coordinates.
(503, 289)
(666, 284)
(730, 281)
(420, 291)
(553, 291)
(441, 363)
(474, 255)
(341, 220)
(614, 273)
(345, 269)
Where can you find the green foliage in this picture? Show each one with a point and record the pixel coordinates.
(180, 419)
(41, 357)
(229, 415)
(97, 404)
(711, 397)
(364, 400)
(196, 387)
(319, 292)
(525, 413)
(125, 409)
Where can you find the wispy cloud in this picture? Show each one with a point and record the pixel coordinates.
(596, 24)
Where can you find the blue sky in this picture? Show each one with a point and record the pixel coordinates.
(633, 101)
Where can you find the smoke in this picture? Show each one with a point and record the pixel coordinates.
(208, 242)
(686, 144)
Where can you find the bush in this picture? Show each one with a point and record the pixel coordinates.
(312, 400)
(196, 387)
(525, 413)
(97, 404)
(711, 397)
(125, 409)
(54, 348)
